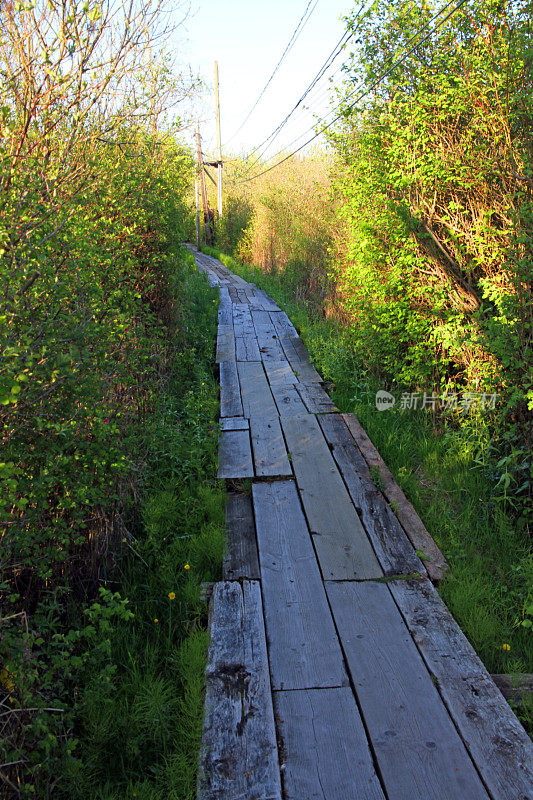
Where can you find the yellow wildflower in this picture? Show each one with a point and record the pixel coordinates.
(186, 566)
(156, 620)
(171, 595)
(506, 647)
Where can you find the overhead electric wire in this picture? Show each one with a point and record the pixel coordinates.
(304, 19)
(343, 41)
(367, 92)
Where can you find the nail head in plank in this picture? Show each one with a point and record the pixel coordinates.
(240, 556)
(230, 392)
(415, 529)
(239, 757)
(418, 749)
(268, 445)
(343, 548)
(257, 398)
(391, 545)
(235, 455)
(500, 747)
(324, 746)
(288, 401)
(303, 647)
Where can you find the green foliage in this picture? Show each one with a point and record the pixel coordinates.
(434, 171)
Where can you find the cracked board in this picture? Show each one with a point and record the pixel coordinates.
(239, 755)
(268, 445)
(324, 747)
(257, 398)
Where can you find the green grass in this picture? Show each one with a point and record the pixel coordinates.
(139, 733)
(440, 469)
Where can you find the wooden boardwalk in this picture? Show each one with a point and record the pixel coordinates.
(335, 670)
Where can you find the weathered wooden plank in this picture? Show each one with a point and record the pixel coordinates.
(303, 647)
(239, 757)
(283, 324)
(279, 373)
(343, 548)
(268, 445)
(234, 424)
(316, 399)
(247, 348)
(324, 746)
(288, 400)
(230, 392)
(235, 455)
(418, 750)
(267, 336)
(415, 529)
(288, 348)
(225, 344)
(391, 545)
(257, 398)
(500, 747)
(240, 556)
(304, 371)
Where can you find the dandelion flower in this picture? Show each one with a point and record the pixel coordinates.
(171, 595)
(186, 566)
(506, 647)
(156, 620)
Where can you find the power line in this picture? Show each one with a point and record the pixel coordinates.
(367, 92)
(304, 19)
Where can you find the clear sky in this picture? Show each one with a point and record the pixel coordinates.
(247, 38)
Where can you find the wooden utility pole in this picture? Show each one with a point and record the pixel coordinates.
(197, 204)
(219, 145)
(200, 165)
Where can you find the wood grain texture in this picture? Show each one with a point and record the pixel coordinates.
(316, 399)
(257, 398)
(234, 424)
(267, 336)
(235, 455)
(230, 391)
(415, 529)
(280, 373)
(304, 371)
(324, 747)
(225, 344)
(247, 348)
(343, 548)
(288, 401)
(395, 552)
(304, 650)
(238, 758)
(418, 750)
(282, 324)
(240, 556)
(500, 747)
(268, 446)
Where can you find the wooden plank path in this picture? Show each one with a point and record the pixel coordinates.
(335, 671)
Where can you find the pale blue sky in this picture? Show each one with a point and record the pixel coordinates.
(247, 39)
